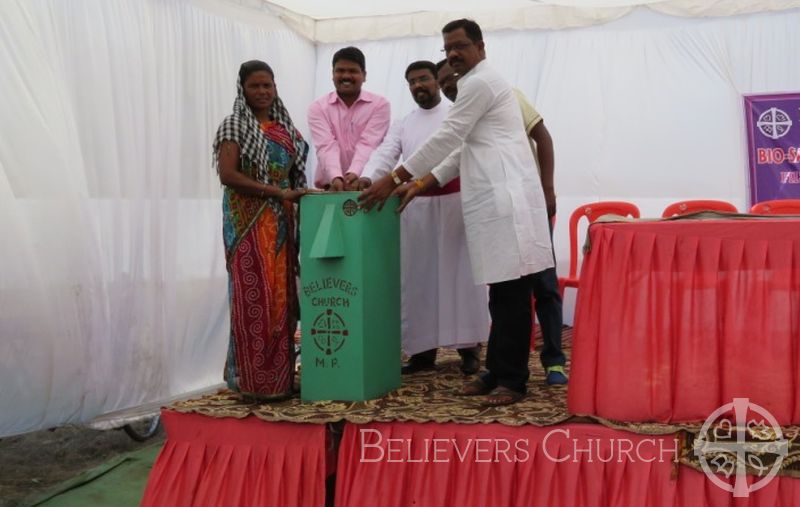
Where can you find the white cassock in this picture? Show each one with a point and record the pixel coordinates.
(503, 204)
(440, 305)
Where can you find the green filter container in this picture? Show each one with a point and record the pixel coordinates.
(349, 298)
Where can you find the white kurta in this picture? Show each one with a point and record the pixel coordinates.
(440, 306)
(501, 194)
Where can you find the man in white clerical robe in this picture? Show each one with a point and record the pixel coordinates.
(440, 305)
(504, 209)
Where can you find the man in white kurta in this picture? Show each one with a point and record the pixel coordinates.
(440, 305)
(503, 204)
(546, 292)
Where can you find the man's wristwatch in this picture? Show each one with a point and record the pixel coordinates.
(396, 178)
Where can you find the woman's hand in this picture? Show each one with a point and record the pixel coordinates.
(294, 194)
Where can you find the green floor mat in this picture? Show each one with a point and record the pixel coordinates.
(116, 483)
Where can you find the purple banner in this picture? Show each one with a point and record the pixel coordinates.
(773, 143)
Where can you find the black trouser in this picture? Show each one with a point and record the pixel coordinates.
(550, 315)
(510, 336)
(549, 311)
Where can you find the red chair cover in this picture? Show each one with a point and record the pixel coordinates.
(592, 212)
(777, 207)
(686, 207)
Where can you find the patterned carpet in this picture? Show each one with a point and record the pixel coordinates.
(431, 397)
(423, 397)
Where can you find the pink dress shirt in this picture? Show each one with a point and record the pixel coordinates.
(345, 137)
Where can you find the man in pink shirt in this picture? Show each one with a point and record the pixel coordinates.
(346, 125)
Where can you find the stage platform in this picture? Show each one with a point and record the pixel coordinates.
(423, 445)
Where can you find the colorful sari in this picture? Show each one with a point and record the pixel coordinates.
(261, 254)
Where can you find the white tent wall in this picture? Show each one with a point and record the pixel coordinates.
(113, 290)
(646, 109)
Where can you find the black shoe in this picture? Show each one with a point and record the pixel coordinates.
(470, 360)
(421, 361)
(470, 365)
(416, 366)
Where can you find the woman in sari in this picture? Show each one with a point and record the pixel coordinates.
(260, 157)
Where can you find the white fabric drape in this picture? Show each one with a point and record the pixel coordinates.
(339, 21)
(112, 283)
(113, 289)
(646, 109)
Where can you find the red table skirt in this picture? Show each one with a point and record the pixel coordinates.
(675, 319)
(210, 461)
(402, 464)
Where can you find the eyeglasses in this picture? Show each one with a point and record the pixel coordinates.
(421, 80)
(458, 46)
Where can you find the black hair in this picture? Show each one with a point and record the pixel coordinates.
(420, 65)
(351, 54)
(470, 27)
(248, 68)
(441, 63)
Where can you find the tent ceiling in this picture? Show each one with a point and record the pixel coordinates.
(345, 20)
(327, 9)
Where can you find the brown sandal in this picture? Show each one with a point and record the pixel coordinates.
(476, 387)
(501, 396)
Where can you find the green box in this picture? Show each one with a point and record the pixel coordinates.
(349, 298)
